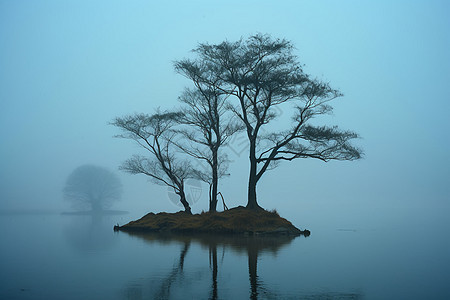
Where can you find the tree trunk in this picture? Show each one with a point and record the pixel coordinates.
(183, 201)
(251, 201)
(215, 181)
(96, 205)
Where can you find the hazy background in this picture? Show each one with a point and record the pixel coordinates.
(67, 68)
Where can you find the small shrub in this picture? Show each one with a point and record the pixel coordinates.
(274, 211)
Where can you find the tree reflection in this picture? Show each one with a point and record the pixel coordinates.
(213, 265)
(177, 270)
(253, 271)
(88, 233)
(252, 247)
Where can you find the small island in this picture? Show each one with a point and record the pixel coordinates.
(238, 220)
(237, 90)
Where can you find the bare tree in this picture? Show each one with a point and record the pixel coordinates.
(92, 187)
(263, 74)
(154, 133)
(209, 128)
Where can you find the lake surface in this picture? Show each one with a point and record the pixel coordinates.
(52, 256)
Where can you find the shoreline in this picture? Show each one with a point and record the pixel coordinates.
(238, 220)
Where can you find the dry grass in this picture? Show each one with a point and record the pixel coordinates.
(235, 220)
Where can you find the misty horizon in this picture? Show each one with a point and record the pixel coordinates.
(68, 69)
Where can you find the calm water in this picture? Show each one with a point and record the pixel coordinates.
(80, 257)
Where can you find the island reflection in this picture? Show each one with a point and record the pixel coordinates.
(218, 246)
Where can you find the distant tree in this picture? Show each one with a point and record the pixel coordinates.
(154, 133)
(209, 127)
(263, 74)
(92, 187)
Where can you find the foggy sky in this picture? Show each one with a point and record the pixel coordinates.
(67, 68)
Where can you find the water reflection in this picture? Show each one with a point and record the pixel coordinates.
(166, 283)
(213, 286)
(89, 233)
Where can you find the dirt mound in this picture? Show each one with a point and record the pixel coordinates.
(238, 220)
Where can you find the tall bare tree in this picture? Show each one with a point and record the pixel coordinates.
(154, 133)
(264, 76)
(209, 128)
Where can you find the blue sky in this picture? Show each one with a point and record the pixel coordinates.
(68, 67)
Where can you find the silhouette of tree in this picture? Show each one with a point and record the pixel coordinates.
(209, 128)
(264, 76)
(154, 133)
(92, 187)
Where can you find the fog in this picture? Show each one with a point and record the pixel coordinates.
(68, 68)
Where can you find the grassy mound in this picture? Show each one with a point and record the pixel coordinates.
(239, 220)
